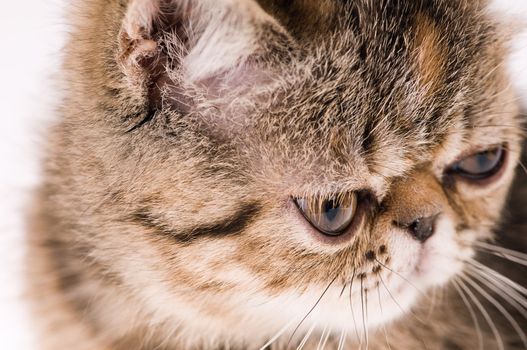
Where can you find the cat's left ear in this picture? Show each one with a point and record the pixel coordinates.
(207, 43)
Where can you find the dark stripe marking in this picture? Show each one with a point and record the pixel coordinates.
(368, 139)
(229, 226)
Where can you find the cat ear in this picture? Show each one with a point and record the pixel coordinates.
(207, 43)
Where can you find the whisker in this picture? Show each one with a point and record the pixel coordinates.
(398, 305)
(519, 304)
(362, 311)
(515, 286)
(367, 329)
(343, 290)
(522, 165)
(433, 300)
(512, 258)
(342, 340)
(505, 256)
(277, 335)
(471, 311)
(382, 315)
(485, 314)
(165, 342)
(499, 307)
(306, 337)
(507, 252)
(404, 312)
(351, 308)
(311, 310)
(323, 338)
(424, 343)
(403, 278)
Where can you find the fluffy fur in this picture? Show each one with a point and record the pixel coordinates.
(165, 220)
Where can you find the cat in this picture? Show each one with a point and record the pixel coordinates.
(241, 174)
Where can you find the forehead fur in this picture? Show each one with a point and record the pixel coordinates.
(377, 78)
(362, 84)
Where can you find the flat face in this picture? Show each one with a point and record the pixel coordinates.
(288, 168)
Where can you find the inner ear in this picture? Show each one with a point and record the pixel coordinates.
(143, 51)
(183, 50)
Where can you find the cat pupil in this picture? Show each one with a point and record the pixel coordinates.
(486, 160)
(331, 210)
(483, 160)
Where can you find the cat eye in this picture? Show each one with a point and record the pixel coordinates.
(481, 165)
(331, 216)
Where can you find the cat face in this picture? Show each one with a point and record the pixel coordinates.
(249, 162)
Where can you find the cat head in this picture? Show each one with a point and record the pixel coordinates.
(237, 163)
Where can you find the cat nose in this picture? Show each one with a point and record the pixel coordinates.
(421, 228)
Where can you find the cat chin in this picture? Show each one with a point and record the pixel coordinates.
(334, 312)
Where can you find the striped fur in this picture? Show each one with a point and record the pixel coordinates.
(165, 218)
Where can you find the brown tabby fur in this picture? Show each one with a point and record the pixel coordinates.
(164, 219)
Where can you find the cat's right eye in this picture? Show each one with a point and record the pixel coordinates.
(482, 165)
(332, 216)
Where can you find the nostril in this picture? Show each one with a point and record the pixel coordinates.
(421, 228)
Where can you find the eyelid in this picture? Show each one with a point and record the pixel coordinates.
(476, 150)
(484, 178)
(493, 156)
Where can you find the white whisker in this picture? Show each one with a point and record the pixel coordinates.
(306, 337)
(421, 292)
(323, 338)
(399, 305)
(365, 332)
(497, 275)
(515, 256)
(514, 299)
(512, 258)
(382, 315)
(359, 337)
(499, 307)
(277, 335)
(433, 301)
(312, 308)
(485, 314)
(342, 340)
(471, 311)
(163, 344)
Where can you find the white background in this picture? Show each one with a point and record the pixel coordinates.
(32, 33)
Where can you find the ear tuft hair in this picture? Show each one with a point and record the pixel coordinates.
(208, 45)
